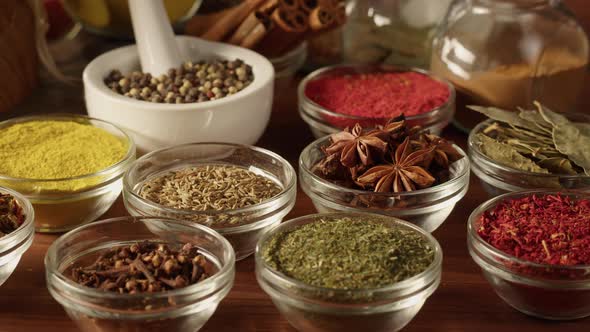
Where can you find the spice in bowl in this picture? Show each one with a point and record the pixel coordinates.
(346, 253)
(190, 83)
(348, 271)
(379, 95)
(145, 267)
(389, 159)
(543, 229)
(67, 166)
(537, 141)
(11, 214)
(210, 187)
(534, 249)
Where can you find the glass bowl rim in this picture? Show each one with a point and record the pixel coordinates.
(66, 283)
(435, 266)
(26, 228)
(306, 102)
(460, 175)
(489, 249)
(292, 181)
(114, 168)
(474, 151)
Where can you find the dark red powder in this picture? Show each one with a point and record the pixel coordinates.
(548, 229)
(380, 95)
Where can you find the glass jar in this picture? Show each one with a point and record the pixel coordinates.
(396, 32)
(509, 53)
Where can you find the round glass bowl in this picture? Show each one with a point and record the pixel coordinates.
(310, 308)
(112, 17)
(323, 121)
(250, 222)
(59, 210)
(498, 179)
(185, 309)
(427, 208)
(540, 290)
(14, 245)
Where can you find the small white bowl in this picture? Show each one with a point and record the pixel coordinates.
(240, 118)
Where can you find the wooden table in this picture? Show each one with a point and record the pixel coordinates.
(464, 301)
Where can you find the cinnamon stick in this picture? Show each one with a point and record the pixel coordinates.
(268, 7)
(244, 29)
(321, 18)
(199, 24)
(229, 22)
(289, 29)
(308, 5)
(289, 5)
(255, 36)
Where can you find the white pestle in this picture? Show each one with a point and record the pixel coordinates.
(156, 43)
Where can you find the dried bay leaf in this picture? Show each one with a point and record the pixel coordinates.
(570, 141)
(554, 118)
(536, 118)
(558, 165)
(509, 117)
(507, 155)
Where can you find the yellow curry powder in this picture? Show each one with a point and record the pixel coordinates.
(47, 150)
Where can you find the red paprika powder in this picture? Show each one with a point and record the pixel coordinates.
(547, 229)
(381, 95)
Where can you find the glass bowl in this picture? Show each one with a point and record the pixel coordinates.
(323, 121)
(14, 245)
(498, 179)
(57, 210)
(185, 309)
(252, 221)
(427, 208)
(310, 308)
(112, 17)
(540, 290)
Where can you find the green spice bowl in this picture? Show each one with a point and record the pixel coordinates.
(545, 291)
(248, 223)
(317, 309)
(86, 198)
(427, 208)
(498, 179)
(14, 245)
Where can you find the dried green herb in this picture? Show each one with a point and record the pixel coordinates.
(507, 155)
(11, 214)
(347, 254)
(546, 142)
(210, 187)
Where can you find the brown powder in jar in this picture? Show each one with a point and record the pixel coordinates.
(556, 83)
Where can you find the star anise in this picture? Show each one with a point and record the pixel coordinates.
(444, 152)
(355, 148)
(404, 174)
(391, 131)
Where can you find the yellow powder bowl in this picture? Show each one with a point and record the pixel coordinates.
(62, 204)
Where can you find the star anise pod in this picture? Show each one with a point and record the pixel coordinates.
(404, 174)
(391, 131)
(444, 152)
(355, 148)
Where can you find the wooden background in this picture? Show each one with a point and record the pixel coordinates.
(464, 301)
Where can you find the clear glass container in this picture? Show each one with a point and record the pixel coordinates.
(541, 290)
(316, 309)
(112, 17)
(86, 198)
(397, 32)
(498, 179)
(14, 245)
(509, 53)
(323, 121)
(250, 222)
(184, 310)
(427, 208)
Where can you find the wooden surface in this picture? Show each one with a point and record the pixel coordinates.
(464, 301)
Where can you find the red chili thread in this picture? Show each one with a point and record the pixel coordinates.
(548, 229)
(382, 95)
